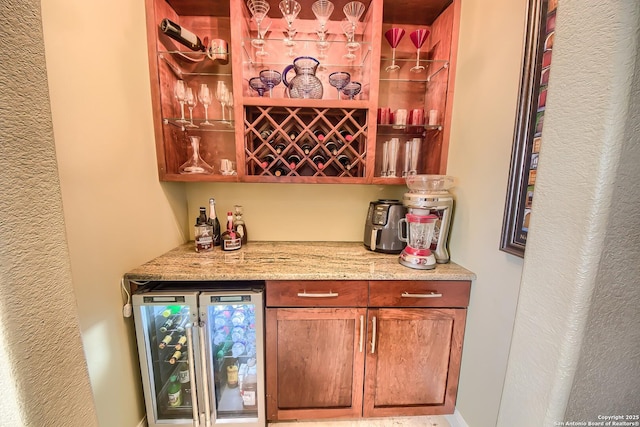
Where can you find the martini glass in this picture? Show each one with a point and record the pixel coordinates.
(393, 36)
(322, 9)
(352, 45)
(290, 10)
(258, 9)
(256, 84)
(353, 11)
(266, 23)
(339, 80)
(418, 38)
(271, 78)
(351, 89)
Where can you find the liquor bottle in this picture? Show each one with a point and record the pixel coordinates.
(240, 226)
(267, 160)
(306, 148)
(174, 392)
(250, 386)
(293, 160)
(319, 160)
(203, 233)
(344, 161)
(181, 342)
(185, 383)
(181, 35)
(166, 340)
(333, 147)
(346, 135)
(319, 134)
(232, 375)
(176, 356)
(202, 218)
(213, 221)
(230, 240)
(171, 309)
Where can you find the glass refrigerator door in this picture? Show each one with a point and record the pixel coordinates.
(233, 330)
(167, 347)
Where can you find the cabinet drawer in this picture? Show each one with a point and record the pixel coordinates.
(432, 293)
(316, 293)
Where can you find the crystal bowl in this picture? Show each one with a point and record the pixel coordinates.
(425, 183)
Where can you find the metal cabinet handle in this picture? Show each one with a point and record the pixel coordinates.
(192, 374)
(432, 294)
(329, 294)
(373, 336)
(205, 377)
(361, 333)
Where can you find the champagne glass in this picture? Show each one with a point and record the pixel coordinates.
(351, 89)
(180, 91)
(192, 101)
(258, 9)
(322, 10)
(221, 96)
(204, 95)
(418, 38)
(393, 36)
(230, 104)
(339, 80)
(290, 10)
(271, 78)
(258, 85)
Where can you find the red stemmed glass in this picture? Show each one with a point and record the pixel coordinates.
(393, 36)
(418, 37)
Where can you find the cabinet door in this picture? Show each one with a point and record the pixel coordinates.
(315, 362)
(413, 361)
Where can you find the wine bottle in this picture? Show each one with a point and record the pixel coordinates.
(168, 323)
(213, 221)
(181, 35)
(346, 135)
(176, 356)
(266, 134)
(344, 161)
(319, 160)
(174, 392)
(230, 240)
(279, 171)
(279, 147)
(319, 134)
(239, 224)
(333, 147)
(181, 324)
(267, 160)
(184, 378)
(293, 135)
(181, 342)
(166, 340)
(293, 160)
(306, 148)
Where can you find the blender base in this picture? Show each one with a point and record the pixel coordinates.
(419, 262)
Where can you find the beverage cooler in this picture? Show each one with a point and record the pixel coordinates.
(202, 356)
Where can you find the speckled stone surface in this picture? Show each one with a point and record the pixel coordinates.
(288, 261)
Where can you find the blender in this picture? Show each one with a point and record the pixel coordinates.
(420, 226)
(428, 194)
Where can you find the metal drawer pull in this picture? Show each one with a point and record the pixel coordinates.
(324, 295)
(373, 336)
(429, 295)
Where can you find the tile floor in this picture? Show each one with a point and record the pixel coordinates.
(430, 421)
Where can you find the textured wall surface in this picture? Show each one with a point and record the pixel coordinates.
(571, 248)
(41, 336)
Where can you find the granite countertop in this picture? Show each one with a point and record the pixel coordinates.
(288, 261)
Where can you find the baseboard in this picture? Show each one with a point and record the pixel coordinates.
(143, 422)
(456, 420)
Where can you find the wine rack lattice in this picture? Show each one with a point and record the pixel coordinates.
(305, 141)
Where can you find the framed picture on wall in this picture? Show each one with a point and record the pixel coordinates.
(528, 127)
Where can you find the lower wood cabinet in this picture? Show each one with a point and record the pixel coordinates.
(363, 349)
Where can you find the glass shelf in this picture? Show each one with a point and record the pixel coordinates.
(196, 64)
(308, 48)
(216, 125)
(433, 66)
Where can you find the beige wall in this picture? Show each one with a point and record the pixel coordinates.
(118, 214)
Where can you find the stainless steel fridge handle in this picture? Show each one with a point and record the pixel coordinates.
(361, 333)
(373, 336)
(192, 376)
(205, 377)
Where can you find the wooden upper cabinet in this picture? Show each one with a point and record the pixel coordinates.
(274, 138)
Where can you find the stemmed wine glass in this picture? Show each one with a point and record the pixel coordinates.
(258, 85)
(271, 78)
(393, 36)
(191, 100)
(418, 38)
(180, 91)
(290, 10)
(351, 89)
(322, 9)
(258, 9)
(339, 80)
(204, 95)
(222, 94)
